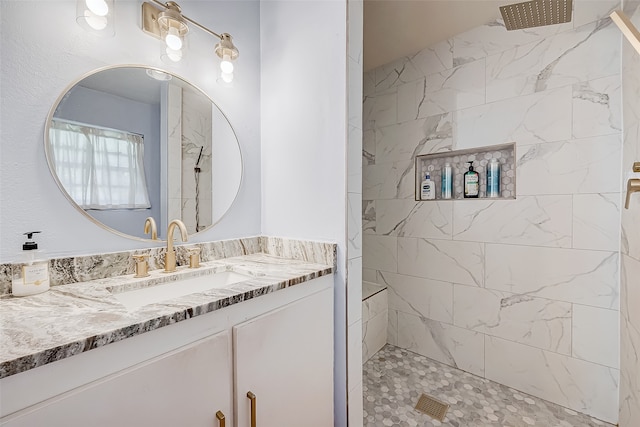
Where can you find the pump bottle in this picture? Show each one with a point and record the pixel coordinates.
(471, 183)
(31, 274)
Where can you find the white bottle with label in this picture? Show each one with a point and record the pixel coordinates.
(427, 191)
(31, 275)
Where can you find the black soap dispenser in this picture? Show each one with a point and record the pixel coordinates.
(471, 183)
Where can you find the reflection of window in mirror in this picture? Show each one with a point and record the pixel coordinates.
(100, 168)
(177, 121)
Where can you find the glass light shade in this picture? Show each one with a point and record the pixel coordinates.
(226, 77)
(173, 39)
(98, 7)
(96, 16)
(96, 22)
(226, 65)
(174, 55)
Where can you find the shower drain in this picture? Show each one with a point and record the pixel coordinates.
(432, 407)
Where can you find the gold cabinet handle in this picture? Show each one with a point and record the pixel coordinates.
(633, 186)
(252, 397)
(220, 417)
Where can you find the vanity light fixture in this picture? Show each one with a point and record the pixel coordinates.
(166, 22)
(96, 16)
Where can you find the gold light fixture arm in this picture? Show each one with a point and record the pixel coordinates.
(186, 18)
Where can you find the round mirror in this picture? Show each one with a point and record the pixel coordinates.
(128, 143)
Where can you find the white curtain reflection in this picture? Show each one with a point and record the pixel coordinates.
(100, 168)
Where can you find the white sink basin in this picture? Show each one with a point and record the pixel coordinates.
(140, 297)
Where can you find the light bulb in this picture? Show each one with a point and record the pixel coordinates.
(226, 77)
(173, 39)
(98, 23)
(97, 7)
(226, 65)
(174, 54)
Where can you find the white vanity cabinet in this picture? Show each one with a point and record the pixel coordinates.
(278, 346)
(183, 388)
(283, 358)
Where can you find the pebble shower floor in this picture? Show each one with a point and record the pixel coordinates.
(395, 378)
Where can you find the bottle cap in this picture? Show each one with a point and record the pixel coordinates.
(427, 176)
(29, 245)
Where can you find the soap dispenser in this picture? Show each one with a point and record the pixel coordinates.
(471, 183)
(31, 274)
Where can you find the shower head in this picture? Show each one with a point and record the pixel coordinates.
(536, 13)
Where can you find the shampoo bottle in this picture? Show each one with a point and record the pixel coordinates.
(427, 192)
(447, 181)
(493, 178)
(31, 275)
(471, 183)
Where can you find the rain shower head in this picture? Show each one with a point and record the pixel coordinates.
(536, 13)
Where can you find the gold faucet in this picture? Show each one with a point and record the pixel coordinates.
(150, 227)
(170, 256)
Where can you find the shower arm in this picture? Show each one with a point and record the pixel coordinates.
(628, 29)
(196, 167)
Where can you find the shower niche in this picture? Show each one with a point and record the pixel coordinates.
(433, 164)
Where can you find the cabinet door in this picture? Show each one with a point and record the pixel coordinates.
(182, 388)
(285, 358)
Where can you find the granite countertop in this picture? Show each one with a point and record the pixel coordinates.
(74, 318)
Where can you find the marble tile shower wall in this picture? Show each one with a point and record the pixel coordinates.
(630, 247)
(523, 292)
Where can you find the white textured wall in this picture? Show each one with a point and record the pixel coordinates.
(43, 50)
(304, 134)
(524, 292)
(630, 246)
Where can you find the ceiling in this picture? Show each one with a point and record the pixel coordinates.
(397, 28)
